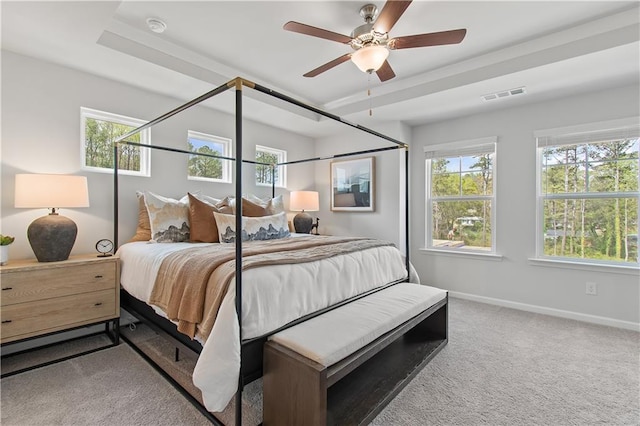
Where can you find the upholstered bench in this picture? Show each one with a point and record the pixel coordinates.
(344, 366)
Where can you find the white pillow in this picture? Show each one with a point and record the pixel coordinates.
(169, 218)
(253, 228)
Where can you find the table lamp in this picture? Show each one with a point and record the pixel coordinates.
(304, 201)
(52, 236)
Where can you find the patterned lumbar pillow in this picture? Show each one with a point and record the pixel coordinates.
(169, 218)
(253, 228)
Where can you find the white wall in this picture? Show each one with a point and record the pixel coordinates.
(41, 134)
(515, 278)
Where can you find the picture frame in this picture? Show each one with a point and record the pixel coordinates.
(353, 185)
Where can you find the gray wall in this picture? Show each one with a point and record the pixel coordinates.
(41, 131)
(515, 280)
(41, 134)
(387, 220)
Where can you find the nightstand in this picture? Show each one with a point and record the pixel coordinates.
(42, 298)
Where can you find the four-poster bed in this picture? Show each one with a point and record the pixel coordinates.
(380, 266)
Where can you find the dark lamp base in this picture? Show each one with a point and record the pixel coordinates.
(302, 222)
(52, 237)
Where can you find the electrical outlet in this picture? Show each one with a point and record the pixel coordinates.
(592, 288)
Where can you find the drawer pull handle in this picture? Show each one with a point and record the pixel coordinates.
(98, 276)
(5, 321)
(98, 304)
(7, 288)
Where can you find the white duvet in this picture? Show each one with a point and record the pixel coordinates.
(294, 291)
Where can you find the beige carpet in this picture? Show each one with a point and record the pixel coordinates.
(501, 367)
(111, 387)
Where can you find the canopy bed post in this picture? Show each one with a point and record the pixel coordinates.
(406, 208)
(115, 197)
(273, 180)
(238, 84)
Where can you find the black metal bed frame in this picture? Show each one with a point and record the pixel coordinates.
(111, 330)
(250, 350)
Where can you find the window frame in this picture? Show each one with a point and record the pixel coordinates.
(227, 175)
(145, 138)
(282, 158)
(575, 135)
(462, 148)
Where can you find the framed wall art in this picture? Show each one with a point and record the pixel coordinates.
(353, 185)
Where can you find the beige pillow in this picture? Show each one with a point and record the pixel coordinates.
(169, 218)
(202, 223)
(251, 209)
(143, 230)
(253, 228)
(273, 205)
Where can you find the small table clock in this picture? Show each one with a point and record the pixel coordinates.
(104, 247)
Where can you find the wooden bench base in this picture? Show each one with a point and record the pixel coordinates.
(300, 391)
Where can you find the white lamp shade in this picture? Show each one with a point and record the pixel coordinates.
(51, 191)
(370, 58)
(304, 200)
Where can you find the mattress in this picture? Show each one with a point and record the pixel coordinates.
(272, 297)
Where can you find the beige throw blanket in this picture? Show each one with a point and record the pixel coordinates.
(192, 283)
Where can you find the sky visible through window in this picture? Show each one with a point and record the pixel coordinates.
(198, 143)
(457, 164)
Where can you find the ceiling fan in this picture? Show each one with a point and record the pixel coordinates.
(371, 42)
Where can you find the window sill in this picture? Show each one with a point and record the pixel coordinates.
(110, 171)
(268, 185)
(595, 267)
(469, 254)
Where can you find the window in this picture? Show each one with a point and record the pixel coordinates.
(588, 197)
(460, 184)
(98, 129)
(206, 166)
(265, 174)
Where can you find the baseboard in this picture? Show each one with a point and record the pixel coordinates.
(594, 319)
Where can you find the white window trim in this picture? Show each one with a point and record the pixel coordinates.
(472, 254)
(282, 173)
(584, 265)
(460, 146)
(145, 138)
(227, 152)
(540, 258)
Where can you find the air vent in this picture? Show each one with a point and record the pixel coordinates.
(504, 94)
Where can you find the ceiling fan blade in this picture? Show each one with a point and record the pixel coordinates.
(430, 39)
(391, 12)
(328, 65)
(385, 72)
(297, 27)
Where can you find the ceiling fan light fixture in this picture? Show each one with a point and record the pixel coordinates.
(370, 58)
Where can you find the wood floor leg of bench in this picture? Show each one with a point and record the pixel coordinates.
(294, 388)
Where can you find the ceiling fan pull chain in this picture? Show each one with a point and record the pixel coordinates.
(369, 94)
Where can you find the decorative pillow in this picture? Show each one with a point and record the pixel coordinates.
(169, 218)
(143, 230)
(272, 206)
(254, 210)
(210, 200)
(253, 228)
(202, 223)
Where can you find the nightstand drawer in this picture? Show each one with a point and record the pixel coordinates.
(44, 316)
(21, 286)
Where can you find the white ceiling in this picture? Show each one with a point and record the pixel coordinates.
(552, 48)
